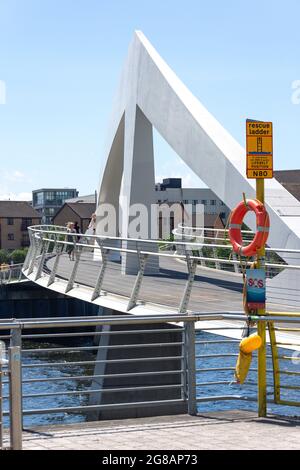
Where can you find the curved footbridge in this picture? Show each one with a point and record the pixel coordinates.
(161, 292)
(171, 278)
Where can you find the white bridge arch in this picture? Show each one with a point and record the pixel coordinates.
(150, 94)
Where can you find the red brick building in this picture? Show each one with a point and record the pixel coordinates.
(15, 218)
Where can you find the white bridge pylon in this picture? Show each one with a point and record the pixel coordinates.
(150, 94)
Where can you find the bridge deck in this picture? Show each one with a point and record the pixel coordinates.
(212, 290)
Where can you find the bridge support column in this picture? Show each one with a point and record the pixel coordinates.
(137, 195)
(136, 374)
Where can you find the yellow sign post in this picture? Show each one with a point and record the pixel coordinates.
(259, 144)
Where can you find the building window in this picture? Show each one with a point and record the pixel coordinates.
(185, 201)
(38, 199)
(26, 223)
(195, 202)
(222, 215)
(49, 210)
(213, 202)
(25, 240)
(10, 236)
(204, 202)
(10, 221)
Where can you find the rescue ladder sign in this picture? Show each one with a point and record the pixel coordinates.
(259, 146)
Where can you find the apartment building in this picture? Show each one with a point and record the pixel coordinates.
(15, 218)
(47, 201)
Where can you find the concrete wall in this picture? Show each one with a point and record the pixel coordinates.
(28, 300)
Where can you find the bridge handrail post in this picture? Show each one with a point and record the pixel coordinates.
(138, 280)
(44, 250)
(189, 341)
(191, 265)
(78, 252)
(28, 257)
(20, 275)
(15, 397)
(36, 245)
(1, 404)
(99, 281)
(55, 265)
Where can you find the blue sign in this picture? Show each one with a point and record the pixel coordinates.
(256, 288)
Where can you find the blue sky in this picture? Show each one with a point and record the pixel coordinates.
(60, 61)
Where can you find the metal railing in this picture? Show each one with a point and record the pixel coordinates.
(11, 369)
(134, 274)
(12, 273)
(103, 367)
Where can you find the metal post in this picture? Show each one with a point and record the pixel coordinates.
(184, 362)
(202, 262)
(16, 337)
(138, 281)
(74, 270)
(16, 341)
(15, 397)
(99, 282)
(217, 263)
(189, 328)
(55, 266)
(235, 265)
(45, 246)
(20, 275)
(28, 257)
(261, 326)
(275, 361)
(1, 406)
(37, 242)
(191, 265)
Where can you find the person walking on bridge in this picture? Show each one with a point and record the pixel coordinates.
(92, 225)
(71, 240)
(77, 230)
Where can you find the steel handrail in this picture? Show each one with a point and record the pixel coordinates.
(40, 229)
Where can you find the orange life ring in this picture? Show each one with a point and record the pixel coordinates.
(262, 227)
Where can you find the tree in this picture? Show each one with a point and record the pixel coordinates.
(4, 256)
(18, 256)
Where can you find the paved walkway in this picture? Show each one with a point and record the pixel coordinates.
(226, 430)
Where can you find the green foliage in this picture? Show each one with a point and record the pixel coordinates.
(207, 252)
(18, 256)
(169, 239)
(223, 253)
(4, 256)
